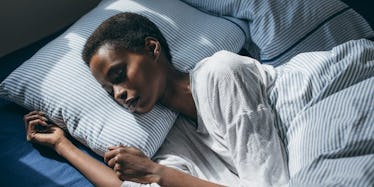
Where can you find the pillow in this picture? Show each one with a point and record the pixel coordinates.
(279, 30)
(56, 80)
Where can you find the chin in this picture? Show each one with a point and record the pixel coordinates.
(142, 110)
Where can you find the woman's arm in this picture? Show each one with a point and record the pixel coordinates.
(131, 164)
(128, 163)
(41, 132)
(95, 171)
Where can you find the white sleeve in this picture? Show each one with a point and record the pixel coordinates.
(230, 95)
(134, 184)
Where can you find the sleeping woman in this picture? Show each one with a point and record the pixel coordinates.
(225, 94)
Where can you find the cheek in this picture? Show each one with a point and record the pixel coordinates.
(151, 93)
(152, 82)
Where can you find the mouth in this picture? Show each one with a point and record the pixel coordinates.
(132, 103)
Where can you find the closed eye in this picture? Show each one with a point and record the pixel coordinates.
(117, 74)
(120, 76)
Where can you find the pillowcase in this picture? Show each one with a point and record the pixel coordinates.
(56, 80)
(279, 30)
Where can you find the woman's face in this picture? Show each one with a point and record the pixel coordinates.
(136, 81)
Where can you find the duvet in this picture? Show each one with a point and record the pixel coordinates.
(325, 114)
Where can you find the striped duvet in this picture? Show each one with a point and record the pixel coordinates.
(325, 115)
(324, 100)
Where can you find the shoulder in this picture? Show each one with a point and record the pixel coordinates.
(222, 63)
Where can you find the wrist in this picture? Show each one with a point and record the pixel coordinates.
(63, 145)
(158, 174)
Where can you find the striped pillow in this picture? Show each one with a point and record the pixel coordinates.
(279, 30)
(57, 81)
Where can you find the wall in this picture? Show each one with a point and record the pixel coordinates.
(26, 21)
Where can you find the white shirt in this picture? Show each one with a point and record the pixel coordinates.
(235, 119)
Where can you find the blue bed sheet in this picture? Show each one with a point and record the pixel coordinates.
(23, 164)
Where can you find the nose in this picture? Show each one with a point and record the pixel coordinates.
(119, 94)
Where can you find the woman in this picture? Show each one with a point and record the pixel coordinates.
(225, 95)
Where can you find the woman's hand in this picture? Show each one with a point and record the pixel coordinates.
(39, 130)
(131, 164)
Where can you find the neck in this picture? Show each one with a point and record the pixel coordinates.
(178, 96)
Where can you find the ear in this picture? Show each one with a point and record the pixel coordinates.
(153, 46)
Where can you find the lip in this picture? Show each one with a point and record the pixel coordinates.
(131, 103)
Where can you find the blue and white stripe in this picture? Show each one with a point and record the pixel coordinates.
(280, 30)
(325, 115)
(57, 81)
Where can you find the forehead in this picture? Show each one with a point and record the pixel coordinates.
(103, 60)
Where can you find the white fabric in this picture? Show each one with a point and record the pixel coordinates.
(183, 150)
(329, 128)
(235, 144)
(235, 119)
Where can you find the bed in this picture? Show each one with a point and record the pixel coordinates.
(340, 151)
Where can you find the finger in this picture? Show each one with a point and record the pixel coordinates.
(27, 119)
(30, 136)
(43, 137)
(126, 149)
(117, 167)
(50, 129)
(134, 151)
(36, 122)
(110, 154)
(33, 117)
(30, 128)
(36, 137)
(120, 175)
(125, 171)
(112, 162)
(110, 148)
(121, 166)
(39, 137)
(34, 112)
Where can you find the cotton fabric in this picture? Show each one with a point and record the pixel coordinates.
(235, 119)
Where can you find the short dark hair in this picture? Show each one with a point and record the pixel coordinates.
(124, 30)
